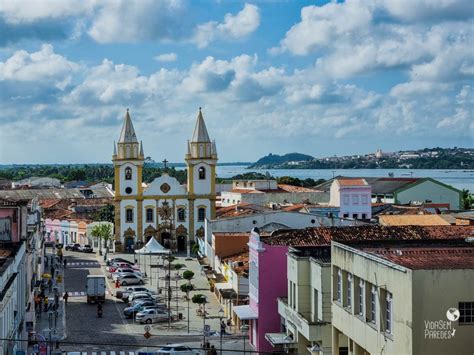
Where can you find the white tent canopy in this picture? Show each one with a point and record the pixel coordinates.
(153, 247)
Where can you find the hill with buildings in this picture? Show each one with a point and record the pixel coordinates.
(428, 158)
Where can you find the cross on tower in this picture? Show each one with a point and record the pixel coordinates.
(165, 162)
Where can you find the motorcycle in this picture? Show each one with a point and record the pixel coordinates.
(99, 311)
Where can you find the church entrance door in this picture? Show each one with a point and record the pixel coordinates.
(129, 243)
(181, 243)
(165, 239)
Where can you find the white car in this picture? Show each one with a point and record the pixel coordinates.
(130, 279)
(136, 295)
(152, 315)
(124, 294)
(121, 272)
(178, 349)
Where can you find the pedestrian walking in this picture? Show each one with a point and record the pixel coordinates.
(117, 283)
(213, 350)
(65, 297)
(65, 262)
(223, 326)
(56, 301)
(46, 304)
(50, 285)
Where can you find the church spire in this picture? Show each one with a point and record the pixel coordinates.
(128, 132)
(200, 131)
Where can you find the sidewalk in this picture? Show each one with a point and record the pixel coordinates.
(51, 325)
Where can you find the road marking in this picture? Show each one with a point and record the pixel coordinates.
(94, 353)
(103, 353)
(112, 353)
(122, 353)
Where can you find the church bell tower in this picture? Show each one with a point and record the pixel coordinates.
(128, 162)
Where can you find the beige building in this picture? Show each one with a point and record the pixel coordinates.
(403, 298)
(306, 313)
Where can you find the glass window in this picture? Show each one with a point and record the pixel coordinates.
(201, 214)
(364, 199)
(388, 313)
(339, 285)
(361, 297)
(364, 216)
(355, 215)
(202, 173)
(373, 304)
(345, 200)
(129, 215)
(128, 173)
(149, 215)
(349, 291)
(466, 312)
(355, 199)
(181, 214)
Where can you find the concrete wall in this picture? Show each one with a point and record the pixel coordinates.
(396, 280)
(428, 190)
(434, 292)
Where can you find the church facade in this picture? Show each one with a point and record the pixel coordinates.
(172, 213)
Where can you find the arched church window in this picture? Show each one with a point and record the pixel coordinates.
(202, 173)
(181, 214)
(129, 215)
(149, 215)
(201, 214)
(128, 173)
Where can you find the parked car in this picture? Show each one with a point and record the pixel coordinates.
(115, 266)
(73, 246)
(130, 279)
(177, 349)
(119, 260)
(121, 272)
(139, 298)
(130, 311)
(86, 249)
(123, 294)
(138, 294)
(152, 316)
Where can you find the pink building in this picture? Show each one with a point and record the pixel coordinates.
(268, 281)
(9, 224)
(353, 197)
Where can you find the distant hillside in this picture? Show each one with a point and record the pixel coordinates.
(272, 160)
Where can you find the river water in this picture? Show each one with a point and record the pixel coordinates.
(460, 179)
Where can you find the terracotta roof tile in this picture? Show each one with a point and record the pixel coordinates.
(352, 182)
(291, 188)
(413, 219)
(428, 258)
(323, 235)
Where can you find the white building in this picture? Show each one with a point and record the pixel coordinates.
(166, 210)
(353, 197)
(13, 297)
(265, 192)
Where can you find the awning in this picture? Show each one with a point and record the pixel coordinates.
(223, 285)
(279, 338)
(245, 312)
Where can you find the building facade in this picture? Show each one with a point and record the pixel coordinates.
(353, 197)
(165, 210)
(397, 299)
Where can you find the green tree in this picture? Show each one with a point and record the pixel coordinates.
(199, 299)
(188, 275)
(106, 213)
(103, 232)
(467, 200)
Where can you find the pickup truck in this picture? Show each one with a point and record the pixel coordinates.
(95, 288)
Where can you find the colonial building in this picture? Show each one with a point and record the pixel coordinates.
(166, 210)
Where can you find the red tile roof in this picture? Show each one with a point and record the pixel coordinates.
(293, 207)
(239, 258)
(352, 182)
(428, 258)
(291, 188)
(323, 235)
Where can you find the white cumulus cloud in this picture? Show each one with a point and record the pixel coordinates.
(236, 26)
(166, 57)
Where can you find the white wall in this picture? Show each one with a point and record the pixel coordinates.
(133, 183)
(202, 187)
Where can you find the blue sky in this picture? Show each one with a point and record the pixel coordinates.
(321, 78)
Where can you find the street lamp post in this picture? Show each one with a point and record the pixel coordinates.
(221, 315)
(244, 329)
(187, 296)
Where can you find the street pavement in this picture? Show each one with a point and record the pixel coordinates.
(114, 334)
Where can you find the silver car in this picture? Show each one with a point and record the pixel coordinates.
(130, 279)
(152, 316)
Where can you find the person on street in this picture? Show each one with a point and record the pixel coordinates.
(65, 297)
(223, 326)
(117, 283)
(46, 304)
(50, 285)
(56, 301)
(37, 304)
(65, 263)
(213, 350)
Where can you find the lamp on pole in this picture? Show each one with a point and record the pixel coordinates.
(221, 315)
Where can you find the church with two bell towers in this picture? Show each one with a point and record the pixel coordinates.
(172, 213)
